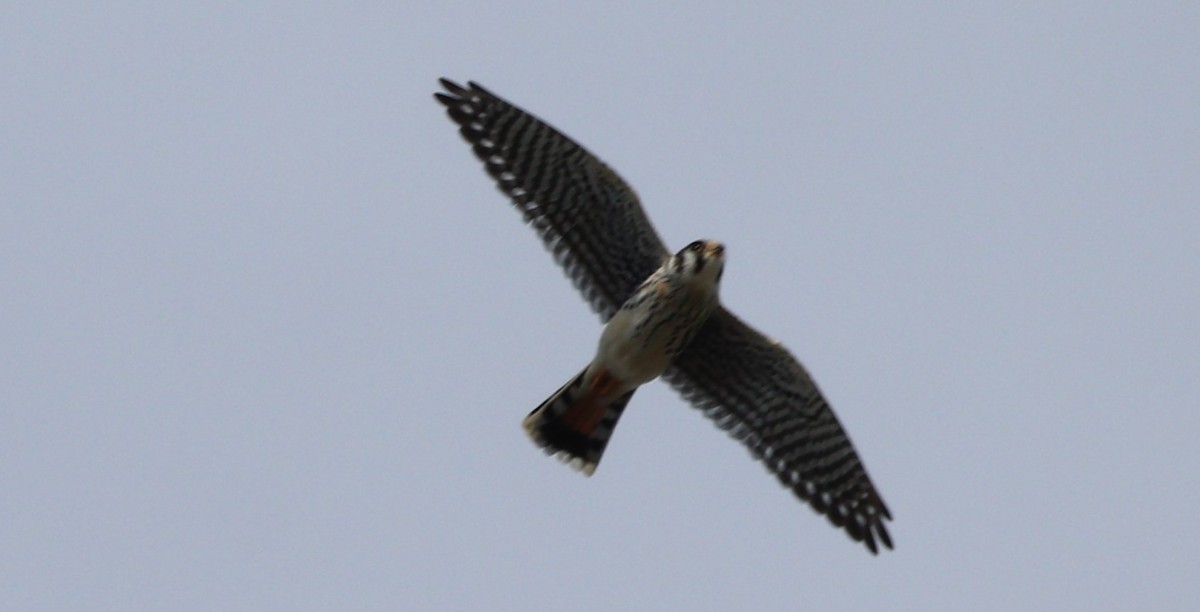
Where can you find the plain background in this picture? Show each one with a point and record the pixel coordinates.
(268, 331)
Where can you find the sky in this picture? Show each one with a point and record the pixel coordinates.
(268, 331)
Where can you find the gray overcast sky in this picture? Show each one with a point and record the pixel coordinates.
(268, 331)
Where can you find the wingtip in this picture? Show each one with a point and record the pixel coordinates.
(871, 545)
(884, 536)
(457, 89)
(873, 535)
(450, 85)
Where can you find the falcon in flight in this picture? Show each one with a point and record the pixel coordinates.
(662, 318)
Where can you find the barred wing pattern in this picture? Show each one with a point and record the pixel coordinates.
(586, 215)
(752, 387)
(749, 385)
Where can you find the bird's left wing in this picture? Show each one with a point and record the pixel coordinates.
(754, 388)
(586, 215)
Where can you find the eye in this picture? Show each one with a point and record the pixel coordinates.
(696, 246)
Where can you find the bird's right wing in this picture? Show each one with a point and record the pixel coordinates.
(586, 215)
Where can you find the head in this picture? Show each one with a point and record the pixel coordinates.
(702, 260)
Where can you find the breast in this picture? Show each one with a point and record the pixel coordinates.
(640, 342)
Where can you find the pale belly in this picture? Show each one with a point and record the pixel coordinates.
(631, 359)
(639, 343)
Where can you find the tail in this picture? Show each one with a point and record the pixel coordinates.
(575, 423)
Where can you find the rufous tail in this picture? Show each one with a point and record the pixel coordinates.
(575, 423)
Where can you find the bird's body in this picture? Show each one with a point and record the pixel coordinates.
(638, 344)
(663, 315)
(663, 318)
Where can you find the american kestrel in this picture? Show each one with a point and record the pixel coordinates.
(663, 318)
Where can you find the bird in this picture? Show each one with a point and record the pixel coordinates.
(662, 318)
